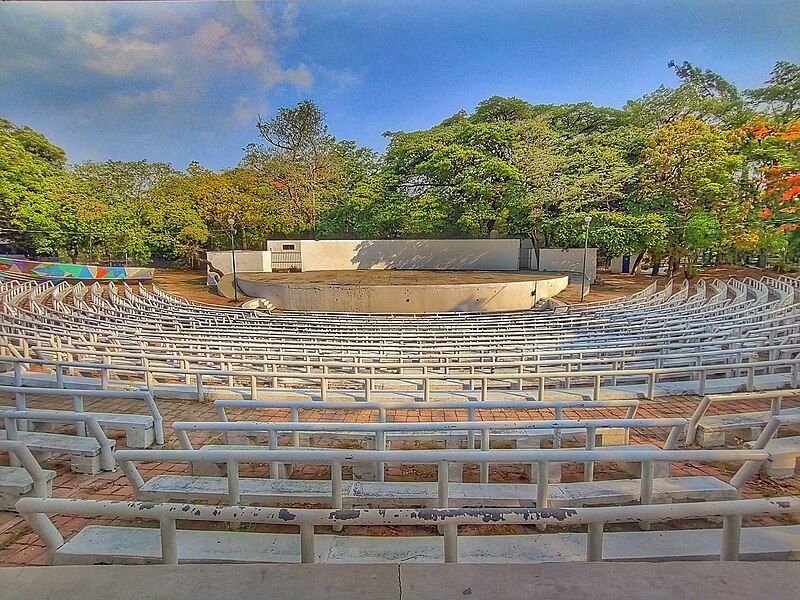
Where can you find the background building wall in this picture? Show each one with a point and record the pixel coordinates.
(488, 255)
(259, 261)
(569, 260)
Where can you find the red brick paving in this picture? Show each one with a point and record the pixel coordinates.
(20, 546)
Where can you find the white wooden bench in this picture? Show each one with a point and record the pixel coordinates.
(783, 452)
(88, 454)
(141, 431)
(525, 433)
(23, 477)
(339, 493)
(136, 545)
(719, 430)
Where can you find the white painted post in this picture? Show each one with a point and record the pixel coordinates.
(294, 414)
(542, 485)
(731, 536)
(169, 541)
(77, 406)
(588, 467)
(233, 483)
(380, 444)
(646, 490)
(485, 447)
(444, 484)
(594, 542)
(450, 543)
(336, 490)
(104, 373)
(308, 553)
(274, 466)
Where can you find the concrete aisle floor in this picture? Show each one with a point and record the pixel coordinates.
(599, 581)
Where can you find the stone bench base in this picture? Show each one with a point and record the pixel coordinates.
(16, 483)
(783, 453)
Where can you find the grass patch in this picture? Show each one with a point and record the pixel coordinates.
(11, 539)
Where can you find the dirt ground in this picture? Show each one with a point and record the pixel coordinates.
(192, 284)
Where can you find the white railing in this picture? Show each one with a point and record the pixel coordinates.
(36, 511)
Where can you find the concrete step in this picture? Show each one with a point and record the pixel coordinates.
(710, 580)
(134, 545)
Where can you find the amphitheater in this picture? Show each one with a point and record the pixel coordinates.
(141, 428)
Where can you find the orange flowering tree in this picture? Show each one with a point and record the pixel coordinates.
(774, 149)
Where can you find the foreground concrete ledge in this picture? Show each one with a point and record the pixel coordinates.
(601, 581)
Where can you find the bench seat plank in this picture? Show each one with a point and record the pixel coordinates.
(57, 442)
(111, 419)
(737, 420)
(18, 477)
(183, 488)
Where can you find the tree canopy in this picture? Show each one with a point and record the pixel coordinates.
(697, 171)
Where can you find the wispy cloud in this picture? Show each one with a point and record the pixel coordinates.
(109, 60)
(338, 79)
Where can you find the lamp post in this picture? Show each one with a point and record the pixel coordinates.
(232, 225)
(587, 220)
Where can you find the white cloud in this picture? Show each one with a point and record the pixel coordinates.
(340, 78)
(128, 55)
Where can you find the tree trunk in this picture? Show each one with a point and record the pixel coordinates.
(536, 249)
(637, 262)
(672, 266)
(762, 259)
(656, 266)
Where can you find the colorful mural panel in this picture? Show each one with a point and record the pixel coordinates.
(55, 270)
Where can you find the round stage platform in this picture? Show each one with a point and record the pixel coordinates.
(403, 291)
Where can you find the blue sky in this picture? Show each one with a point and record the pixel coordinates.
(177, 82)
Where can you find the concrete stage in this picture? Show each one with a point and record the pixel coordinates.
(402, 291)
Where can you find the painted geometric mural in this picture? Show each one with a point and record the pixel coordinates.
(55, 270)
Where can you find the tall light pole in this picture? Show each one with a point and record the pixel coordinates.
(232, 230)
(587, 220)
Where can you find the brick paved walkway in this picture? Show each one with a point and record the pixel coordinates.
(20, 546)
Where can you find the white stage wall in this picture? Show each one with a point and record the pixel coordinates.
(479, 255)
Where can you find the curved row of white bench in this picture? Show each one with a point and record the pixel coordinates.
(62, 340)
(745, 333)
